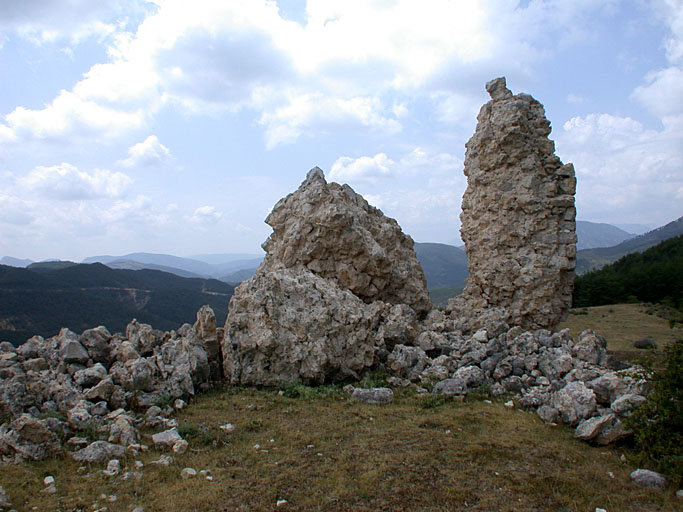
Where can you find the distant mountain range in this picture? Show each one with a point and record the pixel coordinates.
(591, 259)
(167, 290)
(44, 297)
(593, 234)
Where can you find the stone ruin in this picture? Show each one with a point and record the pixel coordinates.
(337, 279)
(517, 216)
(341, 291)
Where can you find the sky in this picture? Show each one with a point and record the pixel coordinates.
(169, 126)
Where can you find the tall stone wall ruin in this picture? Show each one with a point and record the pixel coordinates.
(518, 216)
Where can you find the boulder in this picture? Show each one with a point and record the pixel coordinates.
(96, 342)
(99, 452)
(575, 402)
(450, 387)
(518, 217)
(28, 438)
(377, 396)
(647, 478)
(591, 428)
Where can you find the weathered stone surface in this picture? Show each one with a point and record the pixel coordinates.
(377, 396)
(450, 387)
(166, 439)
(517, 216)
(334, 232)
(99, 451)
(647, 478)
(339, 287)
(593, 427)
(575, 402)
(28, 438)
(4, 498)
(286, 325)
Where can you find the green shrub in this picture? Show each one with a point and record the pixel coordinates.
(298, 390)
(658, 423)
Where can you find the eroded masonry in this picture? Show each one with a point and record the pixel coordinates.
(518, 216)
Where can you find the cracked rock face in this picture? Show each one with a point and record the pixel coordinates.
(320, 305)
(330, 230)
(518, 215)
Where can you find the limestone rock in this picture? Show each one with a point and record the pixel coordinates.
(575, 402)
(518, 216)
(593, 427)
(377, 396)
(4, 499)
(99, 451)
(330, 230)
(286, 325)
(647, 478)
(166, 439)
(28, 438)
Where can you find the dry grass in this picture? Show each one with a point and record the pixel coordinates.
(621, 325)
(334, 454)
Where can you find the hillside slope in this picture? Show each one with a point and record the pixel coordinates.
(591, 259)
(655, 275)
(42, 300)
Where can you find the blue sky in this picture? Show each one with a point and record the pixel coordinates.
(175, 126)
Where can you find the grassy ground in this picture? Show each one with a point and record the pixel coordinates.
(329, 453)
(621, 325)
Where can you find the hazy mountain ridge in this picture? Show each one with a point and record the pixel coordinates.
(43, 299)
(597, 234)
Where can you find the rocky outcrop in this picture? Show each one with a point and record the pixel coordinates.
(339, 284)
(518, 217)
(333, 232)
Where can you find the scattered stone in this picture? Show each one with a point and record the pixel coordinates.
(575, 402)
(377, 396)
(187, 473)
(164, 460)
(99, 451)
(113, 468)
(166, 439)
(228, 428)
(591, 428)
(279, 503)
(4, 498)
(48, 480)
(179, 404)
(450, 387)
(180, 446)
(509, 404)
(647, 478)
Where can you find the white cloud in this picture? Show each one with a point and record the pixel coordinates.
(70, 116)
(66, 182)
(340, 71)
(149, 152)
(309, 113)
(364, 168)
(205, 215)
(424, 197)
(625, 173)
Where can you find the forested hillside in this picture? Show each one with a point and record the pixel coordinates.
(655, 275)
(43, 298)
